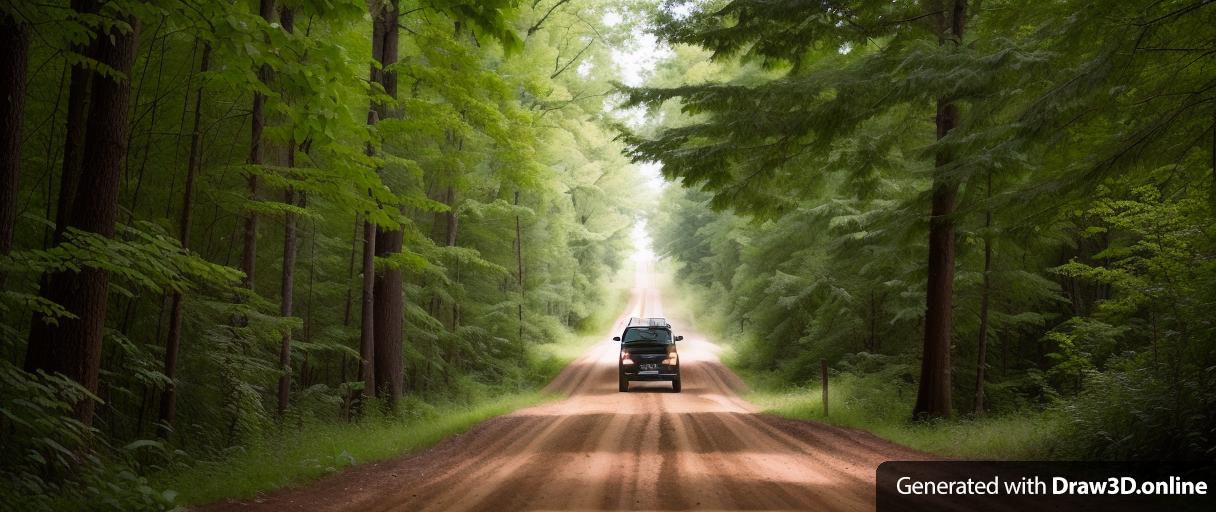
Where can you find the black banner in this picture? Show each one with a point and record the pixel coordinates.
(1045, 486)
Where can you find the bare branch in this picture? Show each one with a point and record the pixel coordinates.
(536, 26)
(572, 61)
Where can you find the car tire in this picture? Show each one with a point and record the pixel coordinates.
(622, 384)
(675, 385)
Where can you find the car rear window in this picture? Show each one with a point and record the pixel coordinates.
(647, 334)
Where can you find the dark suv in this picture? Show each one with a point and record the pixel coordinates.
(648, 352)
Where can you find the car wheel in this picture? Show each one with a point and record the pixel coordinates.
(675, 385)
(622, 384)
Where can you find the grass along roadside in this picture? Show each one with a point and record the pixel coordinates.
(878, 400)
(855, 403)
(299, 455)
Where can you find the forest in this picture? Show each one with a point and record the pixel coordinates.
(970, 209)
(225, 219)
(229, 223)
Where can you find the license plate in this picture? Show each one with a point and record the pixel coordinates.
(649, 367)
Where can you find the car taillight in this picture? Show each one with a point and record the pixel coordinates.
(625, 357)
(672, 359)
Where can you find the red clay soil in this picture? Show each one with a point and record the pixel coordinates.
(598, 449)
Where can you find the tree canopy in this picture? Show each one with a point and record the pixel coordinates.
(257, 140)
(827, 151)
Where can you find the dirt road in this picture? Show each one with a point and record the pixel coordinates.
(705, 448)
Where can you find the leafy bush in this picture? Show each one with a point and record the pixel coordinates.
(53, 462)
(1156, 418)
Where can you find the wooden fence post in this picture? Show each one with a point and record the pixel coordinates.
(823, 375)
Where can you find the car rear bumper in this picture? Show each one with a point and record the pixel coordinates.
(658, 375)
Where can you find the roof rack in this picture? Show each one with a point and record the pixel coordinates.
(648, 322)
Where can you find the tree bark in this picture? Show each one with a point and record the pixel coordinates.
(287, 286)
(934, 396)
(15, 38)
(257, 117)
(286, 305)
(73, 346)
(519, 270)
(367, 337)
(981, 364)
(389, 310)
(79, 88)
(389, 319)
(307, 372)
(453, 224)
(348, 304)
(168, 398)
(453, 221)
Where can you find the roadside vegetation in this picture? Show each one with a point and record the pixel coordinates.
(305, 451)
(870, 393)
(230, 224)
(877, 403)
(996, 221)
(244, 243)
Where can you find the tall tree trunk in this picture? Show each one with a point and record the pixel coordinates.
(519, 270)
(79, 88)
(933, 397)
(367, 336)
(307, 373)
(257, 125)
(15, 38)
(51, 162)
(981, 363)
(168, 398)
(367, 320)
(389, 319)
(348, 304)
(389, 309)
(453, 221)
(72, 346)
(287, 290)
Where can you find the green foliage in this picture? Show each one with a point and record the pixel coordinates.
(878, 404)
(517, 155)
(288, 456)
(1156, 416)
(1158, 266)
(324, 448)
(802, 137)
(54, 462)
